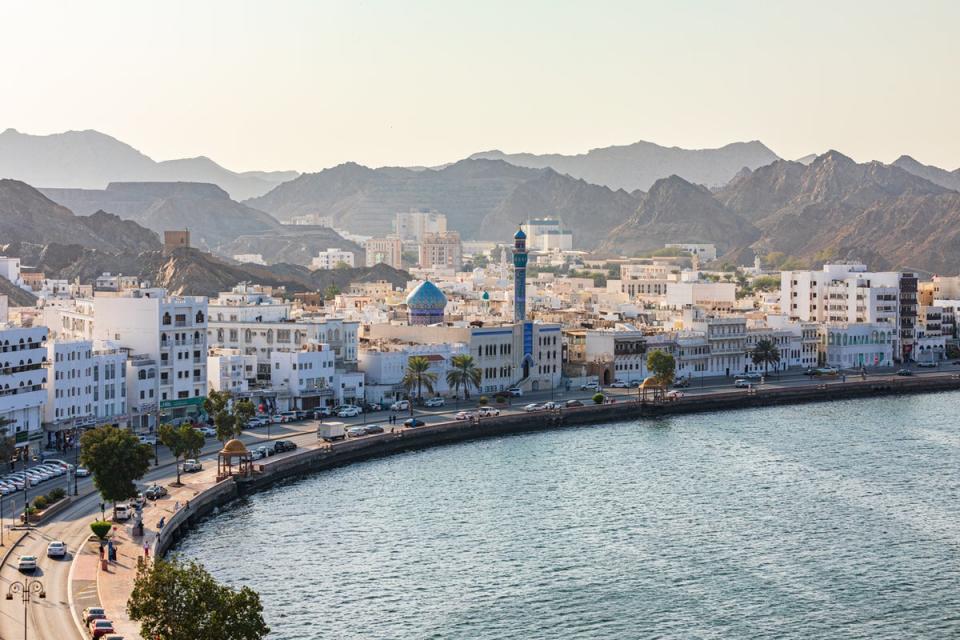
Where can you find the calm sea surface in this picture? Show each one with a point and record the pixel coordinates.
(837, 520)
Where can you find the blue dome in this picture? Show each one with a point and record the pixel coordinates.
(519, 235)
(427, 296)
(486, 295)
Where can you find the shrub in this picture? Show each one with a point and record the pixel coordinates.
(598, 398)
(56, 494)
(100, 528)
(500, 398)
(40, 502)
(483, 401)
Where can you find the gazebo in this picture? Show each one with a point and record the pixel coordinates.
(234, 460)
(657, 390)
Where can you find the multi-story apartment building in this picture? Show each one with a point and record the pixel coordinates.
(727, 339)
(647, 281)
(858, 345)
(388, 250)
(230, 370)
(410, 226)
(547, 234)
(23, 383)
(308, 377)
(172, 331)
(331, 258)
(441, 250)
(608, 354)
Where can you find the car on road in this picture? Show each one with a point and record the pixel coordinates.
(572, 403)
(810, 372)
(551, 405)
(373, 406)
(349, 412)
(82, 472)
(289, 416)
(741, 383)
(681, 383)
(619, 384)
(93, 613)
(904, 372)
(192, 466)
(27, 564)
(413, 422)
(277, 418)
(926, 365)
(827, 371)
(100, 628)
(590, 386)
(56, 549)
(371, 429)
(434, 402)
(139, 500)
(515, 392)
(150, 440)
(400, 405)
(535, 406)
(674, 395)
(356, 432)
(283, 445)
(155, 492)
(463, 415)
(264, 452)
(121, 512)
(486, 412)
(208, 432)
(753, 375)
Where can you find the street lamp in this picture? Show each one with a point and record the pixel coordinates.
(25, 589)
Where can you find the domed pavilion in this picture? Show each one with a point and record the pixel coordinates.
(425, 304)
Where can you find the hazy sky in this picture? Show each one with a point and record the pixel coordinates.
(309, 84)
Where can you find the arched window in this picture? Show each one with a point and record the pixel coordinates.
(200, 317)
(166, 318)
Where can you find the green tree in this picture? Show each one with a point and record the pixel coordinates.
(331, 292)
(183, 441)
(765, 352)
(662, 365)
(174, 600)
(463, 374)
(100, 528)
(418, 375)
(598, 398)
(229, 416)
(116, 459)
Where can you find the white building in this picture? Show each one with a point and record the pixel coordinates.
(172, 331)
(307, 378)
(411, 225)
(547, 234)
(388, 250)
(249, 258)
(230, 370)
(648, 281)
(330, 258)
(23, 380)
(710, 295)
(384, 367)
(10, 269)
(857, 345)
(704, 252)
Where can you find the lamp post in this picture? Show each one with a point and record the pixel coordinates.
(76, 462)
(25, 589)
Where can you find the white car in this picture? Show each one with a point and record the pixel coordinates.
(486, 412)
(463, 415)
(400, 405)
(57, 549)
(590, 386)
(150, 440)
(674, 395)
(534, 406)
(349, 412)
(6, 489)
(121, 513)
(82, 472)
(515, 392)
(191, 465)
(27, 563)
(356, 432)
(619, 384)
(433, 402)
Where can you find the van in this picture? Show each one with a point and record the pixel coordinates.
(121, 513)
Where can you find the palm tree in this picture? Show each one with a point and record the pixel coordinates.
(419, 376)
(463, 374)
(765, 352)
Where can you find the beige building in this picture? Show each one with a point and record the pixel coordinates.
(388, 250)
(441, 250)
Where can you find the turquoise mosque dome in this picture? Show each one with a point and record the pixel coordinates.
(519, 235)
(426, 303)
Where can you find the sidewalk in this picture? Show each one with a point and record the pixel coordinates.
(116, 582)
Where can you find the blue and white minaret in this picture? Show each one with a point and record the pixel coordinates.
(519, 276)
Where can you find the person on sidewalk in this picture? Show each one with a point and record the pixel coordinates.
(146, 550)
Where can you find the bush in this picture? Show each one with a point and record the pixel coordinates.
(598, 398)
(40, 502)
(56, 494)
(483, 401)
(100, 528)
(500, 398)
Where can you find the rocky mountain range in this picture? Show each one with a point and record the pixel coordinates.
(637, 166)
(205, 209)
(92, 160)
(482, 199)
(936, 175)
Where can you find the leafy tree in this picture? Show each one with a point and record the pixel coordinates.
(229, 417)
(463, 374)
(331, 292)
(175, 600)
(765, 352)
(183, 441)
(662, 365)
(598, 398)
(417, 376)
(100, 528)
(341, 265)
(116, 459)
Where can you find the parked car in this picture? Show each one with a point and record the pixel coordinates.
(121, 512)
(155, 492)
(300, 415)
(371, 429)
(289, 416)
(904, 372)
(82, 472)
(150, 440)
(433, 402)
(6, 488)
(810, 372)
(400, 405)
(208, 432)
(590, 386)
(27, 564)
(356, 432)
(139, 501)
(486, 412)
(573, 403)
(619, 384)
(322, 412)
(551, 405)
(265, 452)
(674, 395)
(515, 392)
(192, 466)
(926, 365)
(93, 613)
(100, 628)
(349, 412)
(741, 383)
(413, 422)
(827, 371)
(534, 406)
(681, 383)
(56, 549)
(373, 406)
(753, 375)
(277, 418)
(463, 415)
(283, 445)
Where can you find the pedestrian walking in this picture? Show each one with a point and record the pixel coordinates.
(146, 550)
(176, 506)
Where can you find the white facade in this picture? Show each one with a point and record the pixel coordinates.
(249, 258)
(330, 258)
(23, 380)
(10, 269)
(384, 369)
(712, 295)
(857, 345)
(230, 370)
(411, 225)
(547, 234)
(86, 386)
(307, 376)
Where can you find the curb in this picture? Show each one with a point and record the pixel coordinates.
(9, 550)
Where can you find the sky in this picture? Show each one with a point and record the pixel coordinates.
(301, 84)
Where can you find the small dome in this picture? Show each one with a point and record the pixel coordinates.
(427, 296)
(519, 235)
(486, 295)
(235, 448)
